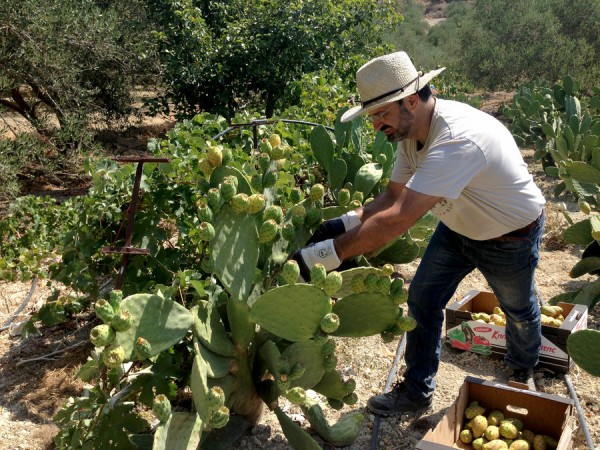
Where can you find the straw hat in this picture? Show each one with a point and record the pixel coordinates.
(387, 79)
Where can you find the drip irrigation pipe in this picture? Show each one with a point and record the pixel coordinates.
(391, 376)
(6, 324)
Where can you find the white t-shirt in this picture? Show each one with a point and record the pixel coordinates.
(472, 161)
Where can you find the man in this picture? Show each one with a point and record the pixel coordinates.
(464, 166)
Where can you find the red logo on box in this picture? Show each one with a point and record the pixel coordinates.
(482, 329)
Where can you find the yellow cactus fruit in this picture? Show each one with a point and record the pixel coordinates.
(498, 310)
(496, 444)
(539, 443)
(492, 432)
(478, 443)
(495, 417)
(274, 140)
(474, 410)
(466, 436)
(508, 430)
(485, 317)
(519, 444)
(516, 422)
(550, 310)
(479, 426)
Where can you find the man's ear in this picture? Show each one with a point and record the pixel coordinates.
(411, 101)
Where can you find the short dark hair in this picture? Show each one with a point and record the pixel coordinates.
(424, 94)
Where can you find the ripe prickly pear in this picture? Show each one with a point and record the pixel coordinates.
(518, 423)
(142, 348)
(113, 356)
(102, 335)
(274, 140)
(214, 199)
(264, 146)
(318, 274)
(296, 195)
(104, 310)
(508, 430)
(358, 284)
(215, 156)
(495, 417)
(268, 231)
(161, 406)
(206, 231)
(474, 409)
(264, 162)
(478, 443)
(215, 398)
(205, 167)
(492, 432)
(288, 231)
(478, 426)
(269, 179)
(343, 197)
(466, 436)
(350, 399)
(273, 212)
(519, 444)
(371, 281)
(205, 213)
(277, 152)
(296, 395)
(239, 203)
(296, 371)
(228, 189)
(256, 203)
(330, 322)
(495, 444)
(406, 323)
(317, 191)
(121, 321)
(290, 271)
(330, 362)
(333, 282)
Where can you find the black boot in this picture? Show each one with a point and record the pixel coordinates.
(396, 402)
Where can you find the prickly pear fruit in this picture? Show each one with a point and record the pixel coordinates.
(256, 203)
(343, 197)
(519, 444)
(121, 321)
(268, 231)
(264, 162)
(318, 275)
(358, 196)
(349, 385)
(228, 189)
(330, 322)
(335, 403)
(205, 213)
(466, 436)
(406, 323)
(387, 270)
(313, 217)
(269, 179)
(478, 443)
(478, 425)
(298, 210)
(495, 417)
(330, 362)
(264, 146)
(102, 335)
(333, 282)
(350, 399)
(492, 432)
(516, 422)
(142, 348)
(114, 298)
(161, 406)
(381, 158)
(288, 231)
(397, 286)
(371, 282)
(552, 311)
(219, 418)
(474, 409)
(104, 310)
(508, 430)
(383, 285)
(550, 441)
(290, 271)
(496, 444)
(274, 140)
(328, 347)
(317, 191)
(215, 398)
(215, 156)
(113, 356)
(239, 203)
(205, 167)
(206, 231)
(296, 371)
(227, 156)
(296, 395)
(358, 284)
(539, 443)
(256, 182)
(298, 221)
(354, 204)
(273, 212)
(214, 199)
(277, 152)
(528, 435)
(296, 195)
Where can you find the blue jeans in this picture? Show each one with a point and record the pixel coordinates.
(508, 266)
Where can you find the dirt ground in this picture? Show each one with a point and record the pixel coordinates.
(36, 375)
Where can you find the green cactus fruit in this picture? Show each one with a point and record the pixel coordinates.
(318, 275)
(256, 182)
(350, 399)
(228, 189)
(142, 348)
(269, 179)
(296, 195)
(264, 146)
(296, 395)
(104, 310)
(387, 336)
(518, 423)
(478, 443)
(328, 347)
(215, 398)
(296, 371)
(387, 269)
(239, 203)
(161, 406)
(215, 156)
(205, 213)
(333, 282)
(313, 217)
(298, 210)
(406, 323)
(214, 199)
(288, 231)
(113, 356)
(495, 417)
(478, 426)
(273, 212)
(381, 158)
(358, 196)
(330, 323)
(397, 286)
(290, 271)
(219, 418)
(349, 385)
(298, 221)
(268, 231)
(114, 298)
(358, 284)
(335, 403)
(206, 231)
(278, 152)
(227, 156)
(474, 409)
(264, 162)
(102, 335)
(317, 191)
(344, 197)
(330, 362)
(371, 281)
(400, 297)
(383, 285)
(492, 432)
(121, 321)
(256, 203)
(354, 204)
(274, 140)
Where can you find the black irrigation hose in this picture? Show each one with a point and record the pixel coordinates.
(257, 122)
(6, 324)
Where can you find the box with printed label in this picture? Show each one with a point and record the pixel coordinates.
(541, 414)
(465, 333)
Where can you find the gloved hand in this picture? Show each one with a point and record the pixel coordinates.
(320, 252)
(331, 229)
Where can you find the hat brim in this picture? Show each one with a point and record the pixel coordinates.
(358, 111)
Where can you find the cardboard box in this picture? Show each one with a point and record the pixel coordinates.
(464, 333)
(541, 413)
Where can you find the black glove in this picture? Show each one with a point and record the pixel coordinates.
(330, 229)
(304, 269)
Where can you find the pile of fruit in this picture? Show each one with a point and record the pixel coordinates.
(552, 316)
(494, 431)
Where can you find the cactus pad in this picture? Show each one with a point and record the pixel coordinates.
(583, 348)
(365, 314)
(182, 431)
(308, 354)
